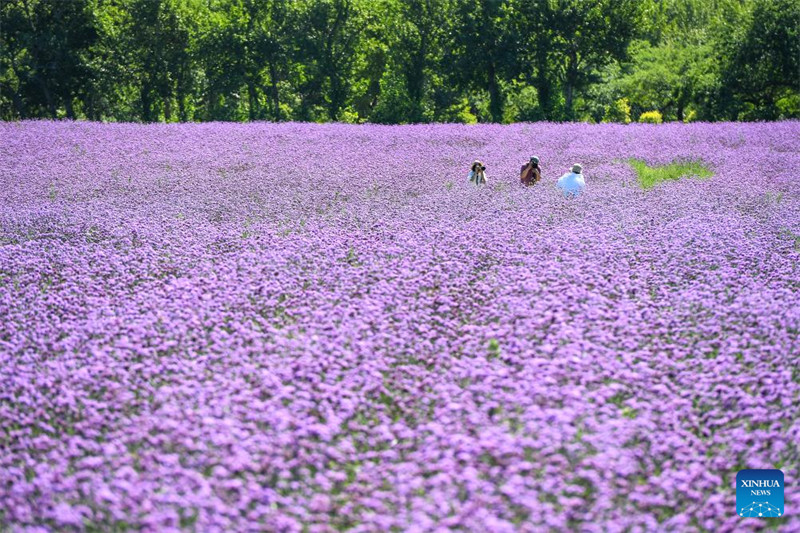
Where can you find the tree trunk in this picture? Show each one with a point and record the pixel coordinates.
(182, 116)
(544, 93)
(17, 98)
(70, 109)
(18, 105)
(180, 95)
(495, 96)
(568, 95)
(251, 99)
(682, 100)
(48, 96)
(415, 78)
(210, 105)
(570, 82)
(337, 100)
(146, 102)
(88, 104)
(273, 78)
(544, 89)
(414, 88)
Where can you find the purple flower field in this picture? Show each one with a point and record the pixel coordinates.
(298, 327)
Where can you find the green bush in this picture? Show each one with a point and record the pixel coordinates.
(458, 112)
(523, 105)
(466, 117)
(479, 106)
(788, 106)
(394, 106)
(651, 117)
(349, 116)
(619, 111)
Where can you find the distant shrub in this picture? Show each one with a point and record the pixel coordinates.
(459, 112)
(691, 116)
(523, 106)
(479, 106)
(651, 117)
(788, 106)
(349, 116)
(619, 111)
(466, 117)
(394, 106)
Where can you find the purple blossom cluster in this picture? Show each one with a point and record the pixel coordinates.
(298, 327)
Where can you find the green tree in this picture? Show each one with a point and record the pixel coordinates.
(14, 69)
(276, 25)
(670, 78)
(227, 49)
(564, 44)
(530, 23)
(586, 36)
(44, 49)
(763, 67)
(419, 31)
(682, 20)
(154, 45)
(329, 35)
(399, 61)
(480, 51)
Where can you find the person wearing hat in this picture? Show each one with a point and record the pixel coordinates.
(530, 173)
(477, 173)
(572, 183)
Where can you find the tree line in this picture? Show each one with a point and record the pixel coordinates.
(400, 61)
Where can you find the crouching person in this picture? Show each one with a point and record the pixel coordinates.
(530, 173)
(572, 183)
(477, 174)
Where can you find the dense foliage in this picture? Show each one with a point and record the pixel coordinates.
(324, 327)
(400, 61)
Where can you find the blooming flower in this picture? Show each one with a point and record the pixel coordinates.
(204, 328)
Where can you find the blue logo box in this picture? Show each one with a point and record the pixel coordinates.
(759, 493)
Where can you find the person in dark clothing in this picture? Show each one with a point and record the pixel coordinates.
(530, 173)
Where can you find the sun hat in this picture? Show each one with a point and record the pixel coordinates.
(534, 160)
(576, 168)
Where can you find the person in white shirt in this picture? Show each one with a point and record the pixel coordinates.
(477, 173)
(572, 183)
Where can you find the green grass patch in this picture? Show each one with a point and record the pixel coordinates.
(651, 176)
